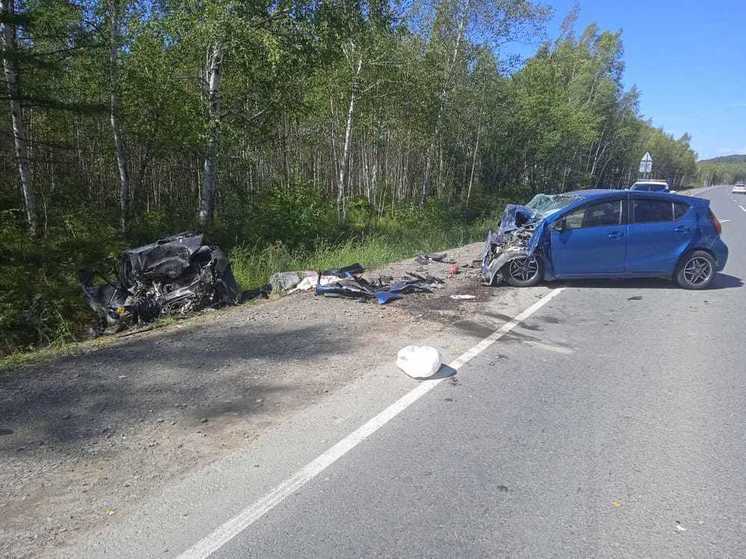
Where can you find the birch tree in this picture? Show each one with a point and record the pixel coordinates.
(213, 72)
(8, 34)
(114, 9)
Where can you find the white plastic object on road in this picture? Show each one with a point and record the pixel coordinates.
(463, 297)
(310, 282)
(419, 361)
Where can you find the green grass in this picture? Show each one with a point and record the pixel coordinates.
(253, 266)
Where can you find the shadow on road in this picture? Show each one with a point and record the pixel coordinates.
(725, 281)
(721, 281)
(195, 376)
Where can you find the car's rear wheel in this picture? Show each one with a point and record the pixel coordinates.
(523, 272)
(696, 270)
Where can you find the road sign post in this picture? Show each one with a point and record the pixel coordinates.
(646, 166)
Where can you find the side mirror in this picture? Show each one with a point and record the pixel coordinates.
(559, 226)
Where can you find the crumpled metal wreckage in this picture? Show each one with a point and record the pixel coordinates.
(520, 231)
(385, 289)
(174, 275)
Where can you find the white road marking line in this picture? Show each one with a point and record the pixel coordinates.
(744, 209)
(230, 529)
(724, 220)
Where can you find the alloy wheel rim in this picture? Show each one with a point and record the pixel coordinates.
(697, 270)
(523, 269)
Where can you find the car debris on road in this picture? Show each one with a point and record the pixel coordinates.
(463, 297)
(174, 275)
(425, 259)
(350, 283)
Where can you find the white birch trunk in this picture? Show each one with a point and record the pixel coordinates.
(212, 93)
(346, 149)
(20, 139)
(441, 107)
(474, 157)
(121, 150)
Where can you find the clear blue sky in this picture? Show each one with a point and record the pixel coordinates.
(687, 57)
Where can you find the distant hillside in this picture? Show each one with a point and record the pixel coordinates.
(725, 159)
(722, 170)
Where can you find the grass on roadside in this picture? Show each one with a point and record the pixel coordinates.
(253, 266)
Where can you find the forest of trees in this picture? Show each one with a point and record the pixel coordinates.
(727, 169)
(263, 121)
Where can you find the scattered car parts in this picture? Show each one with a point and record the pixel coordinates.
(351, 284)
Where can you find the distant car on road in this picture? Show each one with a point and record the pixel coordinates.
(739, 188)
(651, 186)
(606, 234)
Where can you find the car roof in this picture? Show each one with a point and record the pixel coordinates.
(590, 192)
(600, 193)
(651, 181)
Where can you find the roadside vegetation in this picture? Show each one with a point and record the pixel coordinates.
(728, 169)
(295, 134)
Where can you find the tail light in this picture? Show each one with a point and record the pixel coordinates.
(715, 223)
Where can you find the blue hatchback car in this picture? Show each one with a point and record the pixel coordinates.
(606, 234)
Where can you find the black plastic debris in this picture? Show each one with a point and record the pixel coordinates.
(346, 272)
(174, 275)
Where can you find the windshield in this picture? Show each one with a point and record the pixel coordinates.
(545, 204)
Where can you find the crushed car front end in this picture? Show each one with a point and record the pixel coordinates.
(519, 235)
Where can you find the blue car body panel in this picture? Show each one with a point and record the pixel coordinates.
(620, 249)
(656, 248)
(631, 249)
(595, 251)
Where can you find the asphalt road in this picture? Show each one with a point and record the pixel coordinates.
(608, 424)
(618, 432)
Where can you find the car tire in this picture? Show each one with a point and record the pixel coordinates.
(525, 271)
(696, 270)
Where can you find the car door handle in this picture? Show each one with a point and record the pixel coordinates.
(681, 229)
(616, 235)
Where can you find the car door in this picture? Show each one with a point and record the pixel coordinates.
(590, 240)
(660, 231)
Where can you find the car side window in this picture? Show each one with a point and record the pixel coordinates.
(679, 209)
(595, 215)
(651, 211)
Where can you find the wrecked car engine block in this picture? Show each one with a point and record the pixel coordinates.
(174, 275)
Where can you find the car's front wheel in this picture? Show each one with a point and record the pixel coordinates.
(696, 270)
(523, 272)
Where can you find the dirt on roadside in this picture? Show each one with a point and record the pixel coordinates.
(84, 438)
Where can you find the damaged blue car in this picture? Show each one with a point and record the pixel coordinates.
(592, 234)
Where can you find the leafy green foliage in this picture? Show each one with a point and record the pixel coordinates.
(40, 299)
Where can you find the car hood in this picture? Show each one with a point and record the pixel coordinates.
(516, 216)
